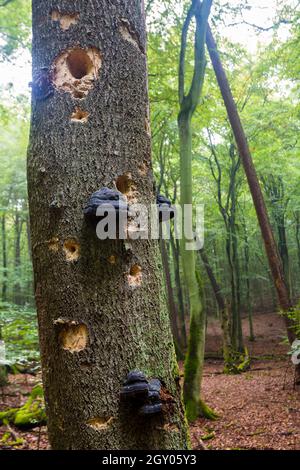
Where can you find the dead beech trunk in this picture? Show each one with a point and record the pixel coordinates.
(101, 305)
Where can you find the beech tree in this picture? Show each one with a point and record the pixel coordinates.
(188, 103)
(101, 305)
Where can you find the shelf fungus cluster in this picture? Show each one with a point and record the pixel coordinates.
(102, 202)
(165, 209)
(142, 393)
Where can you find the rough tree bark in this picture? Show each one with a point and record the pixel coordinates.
(101, 306)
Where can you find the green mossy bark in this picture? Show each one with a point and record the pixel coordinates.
(188, 103)
(30, 415)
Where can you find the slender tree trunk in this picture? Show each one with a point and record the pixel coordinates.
(248, 289)
(188, 103)
(181, 306)
(171, 302)
(223, 311)
(258, 200)
(29, 288)
(101, 306)
(297, 233)
(17, 285)
(4, 258)
(3, 371)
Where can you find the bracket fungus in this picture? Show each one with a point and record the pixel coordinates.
(42, 87)
(107, 199)
(142, 393)
(165, 209)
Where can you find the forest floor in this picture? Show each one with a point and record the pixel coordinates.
(258, 409)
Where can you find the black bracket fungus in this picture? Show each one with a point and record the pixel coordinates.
(165, 209)
(41, 84)
(136, 386)
(113, 199)
(143, 394)
(153, 403)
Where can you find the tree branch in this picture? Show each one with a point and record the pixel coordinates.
(6, 2)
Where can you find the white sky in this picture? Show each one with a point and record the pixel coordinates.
(261, 14)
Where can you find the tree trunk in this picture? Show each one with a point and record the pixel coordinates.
(171, 302)
(248, 287)
(181, 305)
(17, 286)
(4, 258)
(223, 311)
(188, 103)
(255, 189)
(101, 306)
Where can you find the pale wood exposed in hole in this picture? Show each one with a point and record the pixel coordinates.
(143, 168)
(66, 20)
(100, 423)
(79, 116)
(76, 69)
(134, 276)
(124, 184)
(112, 259)
(73, 336)
(169, 427)
(129, 35)
(53, 244)
(72, 249)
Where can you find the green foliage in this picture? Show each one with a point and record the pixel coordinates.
(15, 27)
(19, 331)
(7, 440)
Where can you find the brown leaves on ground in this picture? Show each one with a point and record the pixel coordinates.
(258, 409)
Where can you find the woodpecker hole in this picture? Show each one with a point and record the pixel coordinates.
(53, 244)
(71, 249)
(169, 427)
(129, 35)
(135, 276)
(75, 70)
(65, 19)
(79, 115)
(79, 63)
(125, 185)
(112, 259)
(100, 423)
(143, 168)
(73, 336)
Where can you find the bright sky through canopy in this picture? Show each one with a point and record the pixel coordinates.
(261, 14)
